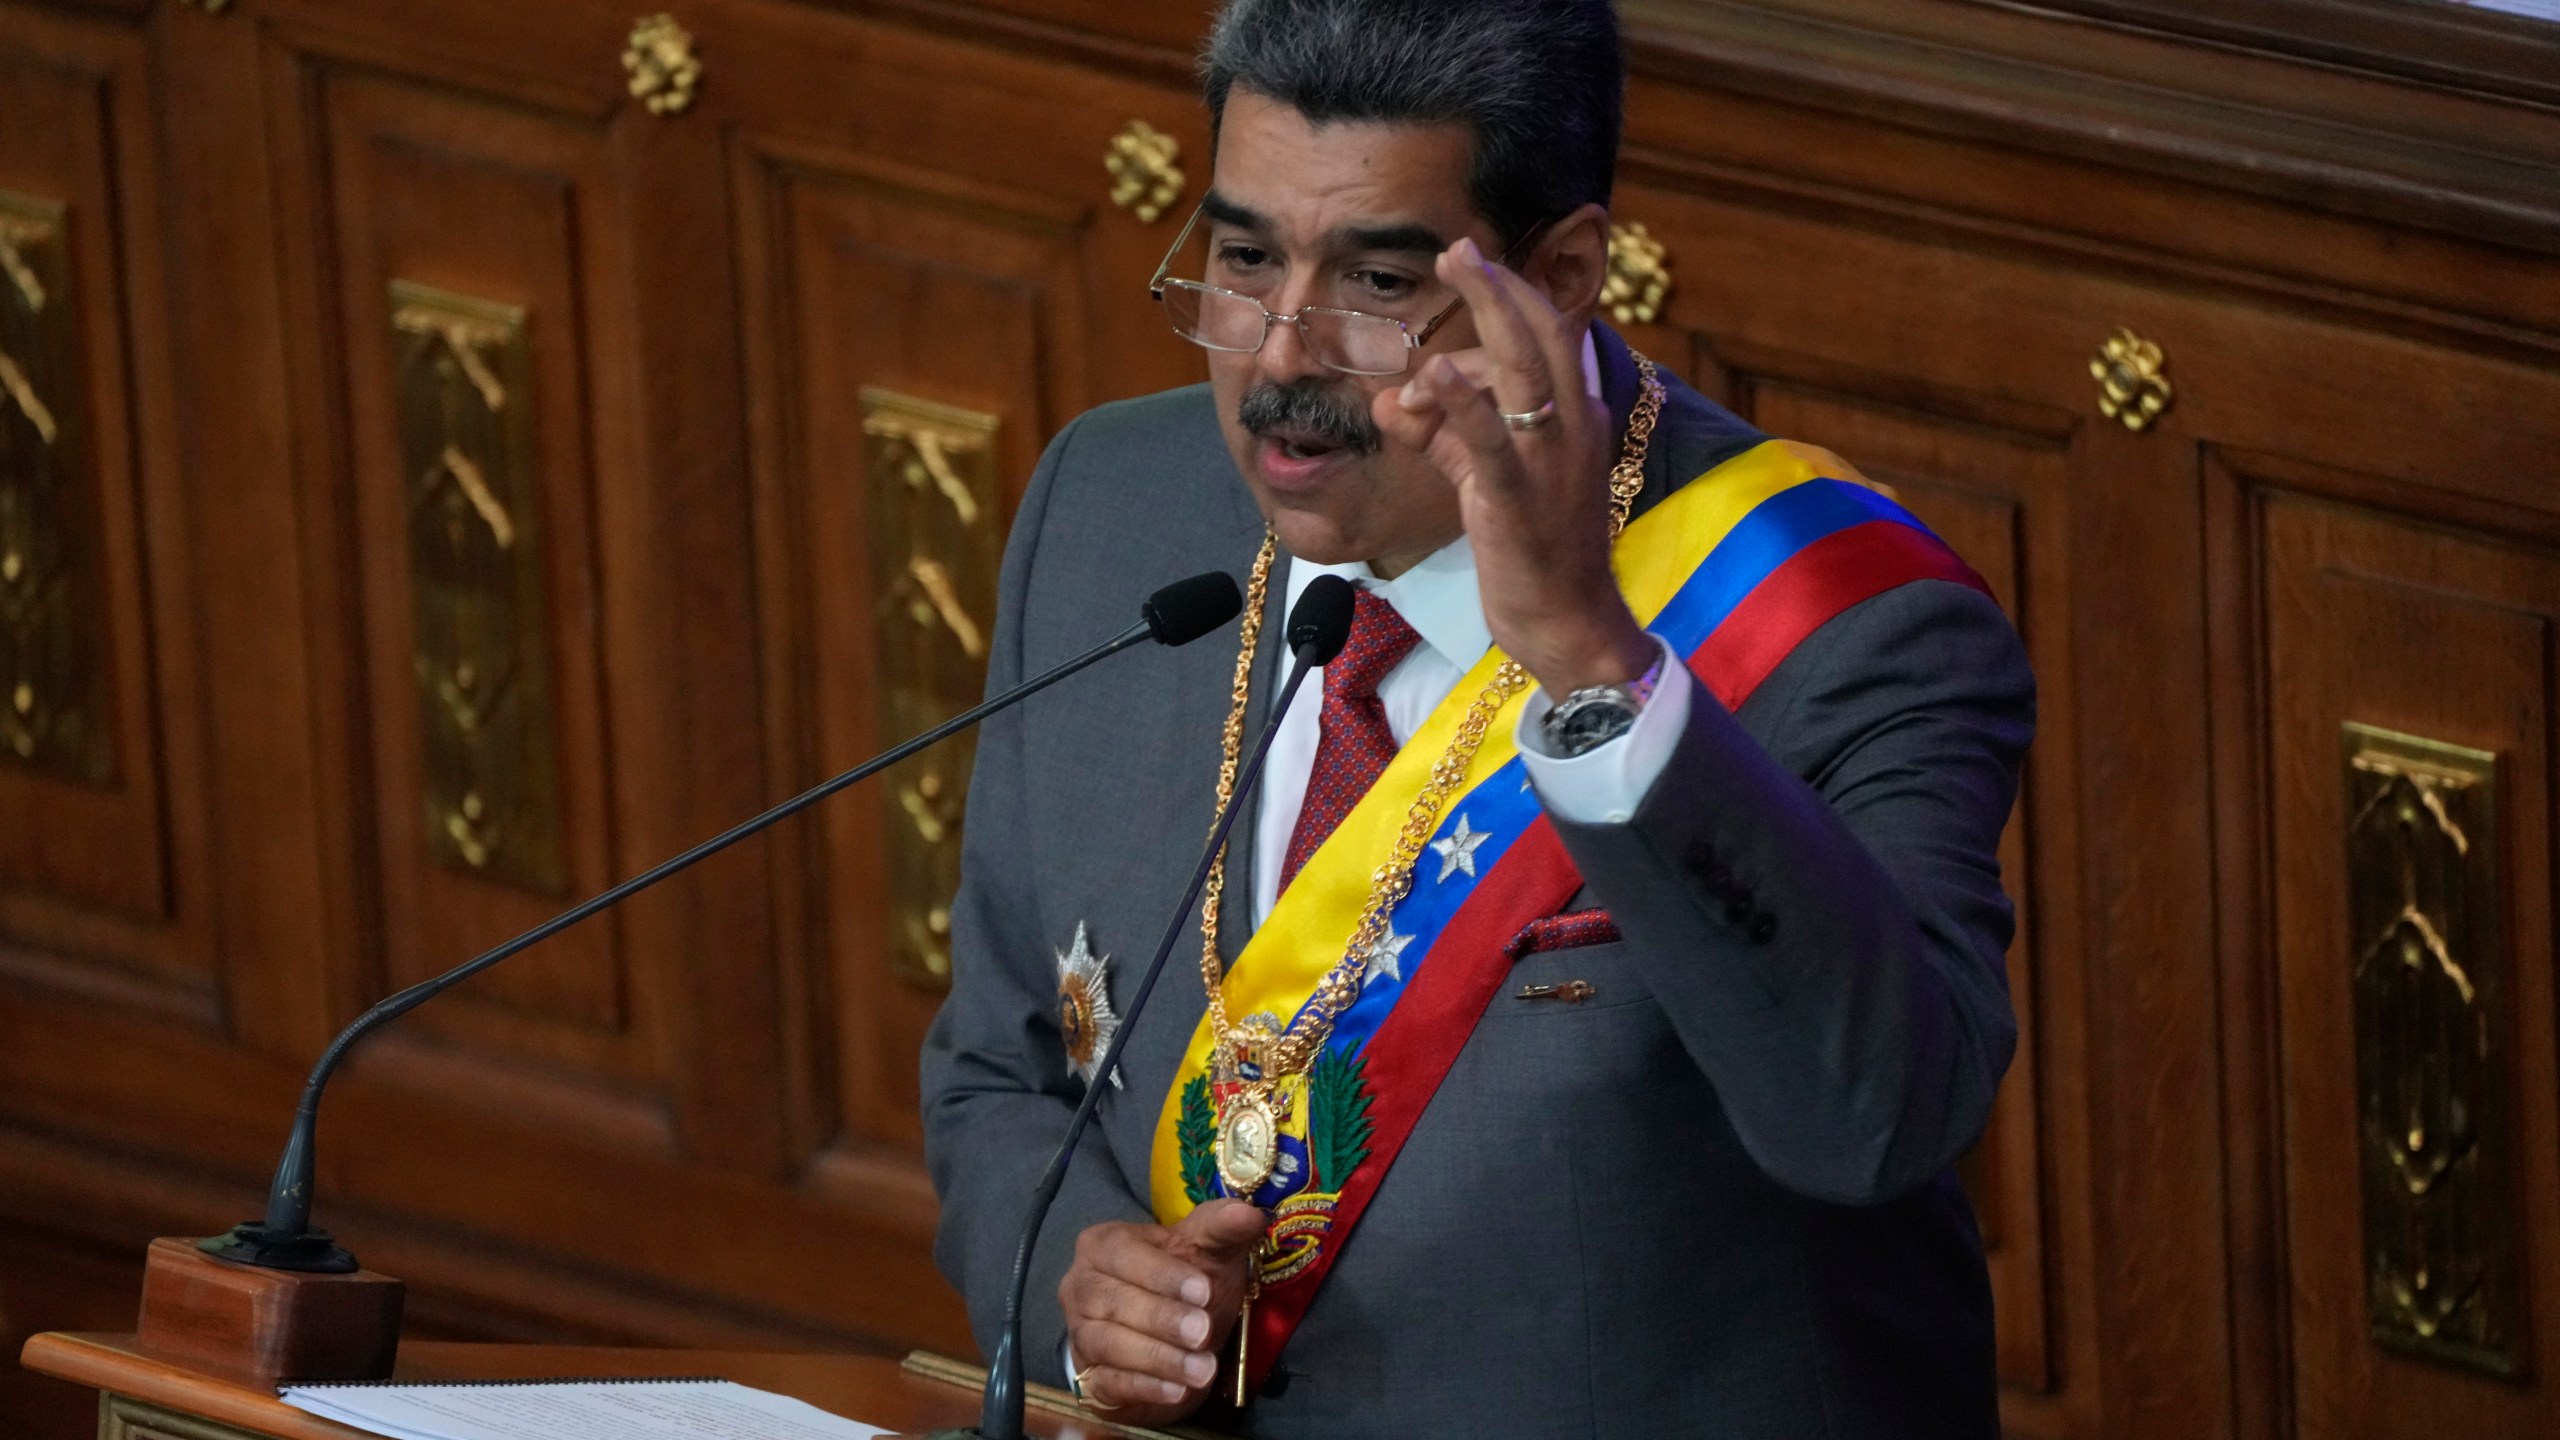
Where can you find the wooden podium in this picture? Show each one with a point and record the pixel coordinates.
(146, 1397)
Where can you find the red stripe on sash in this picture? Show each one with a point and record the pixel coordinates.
(1421, 1037)
(1816, 583)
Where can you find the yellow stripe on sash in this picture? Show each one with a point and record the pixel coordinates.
(1311, 926)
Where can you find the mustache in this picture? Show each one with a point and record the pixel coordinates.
(1310, 406)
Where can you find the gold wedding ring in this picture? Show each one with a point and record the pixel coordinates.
(1529, 419)
(1084, 1397)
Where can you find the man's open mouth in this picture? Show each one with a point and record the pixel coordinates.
(1306, 421)
(1304, 445)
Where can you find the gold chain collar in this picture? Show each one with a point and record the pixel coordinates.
(1290, 1052)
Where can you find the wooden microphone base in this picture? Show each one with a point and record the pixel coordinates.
(266, 1325)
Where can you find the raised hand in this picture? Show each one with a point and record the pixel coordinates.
(1533, 493)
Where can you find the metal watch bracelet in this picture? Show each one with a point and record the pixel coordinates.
(1596, 714)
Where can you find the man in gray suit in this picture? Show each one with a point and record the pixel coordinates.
(1682, 1165)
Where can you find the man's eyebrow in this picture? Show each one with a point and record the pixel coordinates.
(1409, 238)
(1223, 211)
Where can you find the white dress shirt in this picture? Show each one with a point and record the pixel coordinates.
(1439, 599)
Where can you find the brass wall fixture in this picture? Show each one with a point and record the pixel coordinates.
(937, 534)
(1145, 181)
(2132, 388)
(664, 70)
(2442, 1256)
(211, 7)
(481, 648)
(1639, 278)
(53, 671)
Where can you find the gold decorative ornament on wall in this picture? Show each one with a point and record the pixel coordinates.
(1145, 181)
(53, 672)
(2132, 387)
(481, 650)
(936, 536)
(211, 7)
(2443, 1259)
(664, 70)
(1639, 278)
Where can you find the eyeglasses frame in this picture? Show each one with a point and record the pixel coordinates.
(1413, 340)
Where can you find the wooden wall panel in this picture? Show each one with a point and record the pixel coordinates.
(890, 255)
(105, 867)
(502, 206)
(2389, 621)
(49, 1284)
(902, 289)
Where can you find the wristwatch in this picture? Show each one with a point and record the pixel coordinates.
(1597, 714)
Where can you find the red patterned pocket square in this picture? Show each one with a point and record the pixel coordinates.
(1563, 932)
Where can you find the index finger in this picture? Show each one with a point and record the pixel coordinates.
(1520, 331)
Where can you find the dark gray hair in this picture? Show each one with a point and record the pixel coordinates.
(1539, 81)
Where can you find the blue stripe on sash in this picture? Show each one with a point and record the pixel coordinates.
(1775, 530)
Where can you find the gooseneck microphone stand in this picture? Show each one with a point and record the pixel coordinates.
(285, 1240)
(1318, 625)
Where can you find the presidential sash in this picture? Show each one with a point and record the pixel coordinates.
(1733, 570)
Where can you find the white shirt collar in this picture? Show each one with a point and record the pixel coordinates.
(1438, 597)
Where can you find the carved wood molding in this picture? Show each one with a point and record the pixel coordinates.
(2398, 147)
(475, 559)
(2463, 47)
(2442, 1252)
(936, 542)
(2307, 99)
(53, 663)
(123, 1418)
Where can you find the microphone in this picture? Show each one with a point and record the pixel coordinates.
(285, 1240)
(1318, 625)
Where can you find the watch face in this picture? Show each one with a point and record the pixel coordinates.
(1592, 725)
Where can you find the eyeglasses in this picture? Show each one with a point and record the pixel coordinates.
(1351, 341)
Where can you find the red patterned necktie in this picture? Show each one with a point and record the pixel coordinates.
(1356, 743)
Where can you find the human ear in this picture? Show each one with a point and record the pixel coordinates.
(1572, 262)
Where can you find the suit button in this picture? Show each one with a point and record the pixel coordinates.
(1702, 859)
(1737, 905)
(1276, 1384)
(1763, 926)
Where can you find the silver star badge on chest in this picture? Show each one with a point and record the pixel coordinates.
(1085, 1018)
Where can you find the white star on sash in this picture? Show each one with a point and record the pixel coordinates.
(1457, 849)
(1386, 958)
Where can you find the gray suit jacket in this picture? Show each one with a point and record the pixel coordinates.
(1714, 1199)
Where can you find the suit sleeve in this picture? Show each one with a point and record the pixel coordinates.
(997, 1091)
(1825, 926)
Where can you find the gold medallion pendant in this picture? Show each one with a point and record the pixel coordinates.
(1248, 1144)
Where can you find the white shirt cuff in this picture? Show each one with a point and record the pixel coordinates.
(1604, 784)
